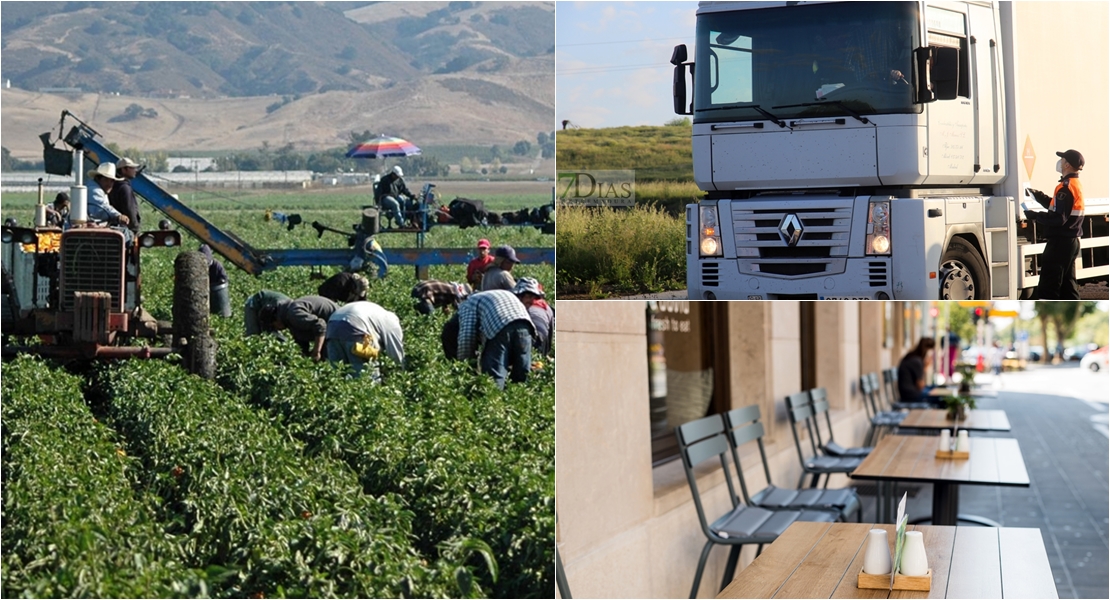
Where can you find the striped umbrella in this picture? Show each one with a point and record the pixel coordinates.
(382, 147)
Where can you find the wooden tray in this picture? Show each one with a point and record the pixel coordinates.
(901, 582)
(954, 454)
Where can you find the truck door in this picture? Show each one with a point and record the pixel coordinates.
(951, 122)
(986, 90)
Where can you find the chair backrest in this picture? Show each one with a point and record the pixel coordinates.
(800, 411)
(880, 392)
(870, 402)
(699, 441)
(819, 400)
(743, 426)
(890, 380)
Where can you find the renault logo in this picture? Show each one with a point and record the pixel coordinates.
(790, 229)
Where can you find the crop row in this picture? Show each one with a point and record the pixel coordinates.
(249, 501)
(73, 525)
(470, 461)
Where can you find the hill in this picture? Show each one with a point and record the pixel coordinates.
(211, 76)
(655, 153)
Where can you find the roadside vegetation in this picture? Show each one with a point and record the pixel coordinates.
(603, 252)
(607, 252)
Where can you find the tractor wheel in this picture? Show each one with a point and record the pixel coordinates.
(190, 314)
(964, 273)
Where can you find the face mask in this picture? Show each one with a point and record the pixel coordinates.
(1060, 166)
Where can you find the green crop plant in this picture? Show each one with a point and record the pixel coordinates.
(73, 524)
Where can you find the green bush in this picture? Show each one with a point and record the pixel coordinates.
(604, 251)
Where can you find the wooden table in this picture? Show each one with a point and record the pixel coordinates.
(994, 461)
(937, 418)
(821, 560)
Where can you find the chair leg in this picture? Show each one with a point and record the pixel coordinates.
(758, 550)
(730, 567)
(802, 480)
(701, 567)
(561, 577)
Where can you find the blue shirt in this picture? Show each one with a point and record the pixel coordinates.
(100, 209)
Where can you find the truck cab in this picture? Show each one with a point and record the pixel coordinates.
(857, 150)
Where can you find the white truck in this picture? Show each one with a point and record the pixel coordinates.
(881, 150)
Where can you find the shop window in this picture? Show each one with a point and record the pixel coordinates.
(687, 368)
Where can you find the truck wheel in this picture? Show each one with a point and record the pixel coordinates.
(964, 275)
(190, 314)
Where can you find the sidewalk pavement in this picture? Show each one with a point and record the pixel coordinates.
(1067, 458)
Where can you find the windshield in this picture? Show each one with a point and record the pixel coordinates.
(837, 59)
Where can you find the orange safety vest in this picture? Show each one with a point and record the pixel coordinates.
(1076, 192)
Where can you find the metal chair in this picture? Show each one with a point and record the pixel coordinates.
(743, 426)
(702, 440)
(818, 398)
(880, 419)
(561, 577)
(800, 411)
(889, 388)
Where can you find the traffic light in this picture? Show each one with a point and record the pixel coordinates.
(978, 313)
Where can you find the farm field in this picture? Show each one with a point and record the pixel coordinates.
(281, 477)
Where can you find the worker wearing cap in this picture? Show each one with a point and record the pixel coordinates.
(531, 295)
(122, 197)
(498, 275)
(1061, 227)
(477, 267)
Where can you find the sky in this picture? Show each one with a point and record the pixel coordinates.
(612, 60)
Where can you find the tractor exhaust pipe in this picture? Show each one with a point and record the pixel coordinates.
(79, 194)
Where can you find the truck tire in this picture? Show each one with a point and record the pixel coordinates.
(964, 274)
(190, 314)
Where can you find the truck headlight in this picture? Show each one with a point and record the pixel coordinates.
(709, 233)
(878, 227)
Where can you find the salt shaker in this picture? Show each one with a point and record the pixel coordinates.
(963, 444)
(945, 441)
(914, 561)
(876, 559)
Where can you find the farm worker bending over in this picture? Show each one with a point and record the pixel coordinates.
(477, 267)
(531, 295)
(391, 193)
(306, 319)
(499, 319)
(432, 294)
(252, 310)
(359, 331)
(499, 275)
(58, 212)
(219, 300)
(344, 287)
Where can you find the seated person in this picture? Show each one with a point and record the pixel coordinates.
(911, 373)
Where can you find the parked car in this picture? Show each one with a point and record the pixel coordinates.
(1095, 360)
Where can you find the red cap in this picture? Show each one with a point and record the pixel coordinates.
(483, 243)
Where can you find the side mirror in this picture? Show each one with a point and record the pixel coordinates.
(923, 60)
(938, 73)
(678, 88)
(946, 72)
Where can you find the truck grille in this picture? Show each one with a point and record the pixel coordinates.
(92, 261)
(763, 228)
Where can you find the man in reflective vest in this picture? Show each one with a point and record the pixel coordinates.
(1061, 227)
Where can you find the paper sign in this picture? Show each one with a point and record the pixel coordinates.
(899, 537)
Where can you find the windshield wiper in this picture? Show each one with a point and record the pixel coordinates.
(839, 103)
(756, 107)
